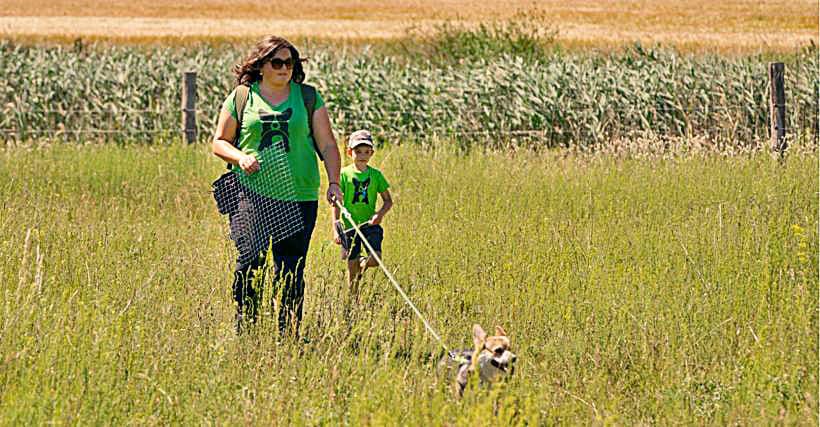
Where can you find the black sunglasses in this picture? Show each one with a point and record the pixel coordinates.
(277, 63)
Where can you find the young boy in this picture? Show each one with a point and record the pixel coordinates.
(360, 183)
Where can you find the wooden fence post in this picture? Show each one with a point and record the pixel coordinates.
(189, 106)
(777, 110)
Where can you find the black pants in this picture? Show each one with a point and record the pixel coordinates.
(288, 268)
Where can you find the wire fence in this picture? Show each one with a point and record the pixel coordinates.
(744, 126)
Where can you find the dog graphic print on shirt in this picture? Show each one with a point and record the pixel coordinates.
(360, 192)
(275, 124)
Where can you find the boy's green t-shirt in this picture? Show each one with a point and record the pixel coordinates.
(361, 189)
(268, 131)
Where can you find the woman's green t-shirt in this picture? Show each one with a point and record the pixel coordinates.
(279, 137)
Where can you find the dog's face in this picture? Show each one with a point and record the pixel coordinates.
(494, 358)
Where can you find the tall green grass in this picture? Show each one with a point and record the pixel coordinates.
(509, 95)
(679, 291)
(528, 35)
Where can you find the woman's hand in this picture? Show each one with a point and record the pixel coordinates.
(334, 193)
(248, 164)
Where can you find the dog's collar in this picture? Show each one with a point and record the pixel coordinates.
(488, 348)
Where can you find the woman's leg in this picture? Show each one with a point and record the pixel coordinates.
(289, 271)
(247, 281)
(290, 285)
(246, 234)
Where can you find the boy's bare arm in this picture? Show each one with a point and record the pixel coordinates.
(387, 203)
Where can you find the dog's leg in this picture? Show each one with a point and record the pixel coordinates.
(461, 379)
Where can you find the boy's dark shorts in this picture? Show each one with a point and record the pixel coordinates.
(374, 235)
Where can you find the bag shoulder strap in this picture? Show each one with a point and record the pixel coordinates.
(240, 98)
(309, 98)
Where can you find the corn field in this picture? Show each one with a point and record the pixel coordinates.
(117, 93)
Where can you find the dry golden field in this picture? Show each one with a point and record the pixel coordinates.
(731, 25)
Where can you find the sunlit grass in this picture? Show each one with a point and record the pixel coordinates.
(635, 291)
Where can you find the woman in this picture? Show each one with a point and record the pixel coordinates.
(274, 124)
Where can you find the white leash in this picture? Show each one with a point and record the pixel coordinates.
(392, 279)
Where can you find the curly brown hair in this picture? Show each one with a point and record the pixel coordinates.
(248, 71)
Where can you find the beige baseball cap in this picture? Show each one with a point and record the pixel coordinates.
(360, 137)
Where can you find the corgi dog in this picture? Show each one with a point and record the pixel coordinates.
(491, 358)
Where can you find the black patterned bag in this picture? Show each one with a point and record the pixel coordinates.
(226, 191)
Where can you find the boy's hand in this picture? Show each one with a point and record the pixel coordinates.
(376, 220)
(337, 237)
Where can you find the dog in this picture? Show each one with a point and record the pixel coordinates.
(491, 358)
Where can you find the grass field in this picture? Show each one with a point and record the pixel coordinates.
(678, 291)
(734, 25)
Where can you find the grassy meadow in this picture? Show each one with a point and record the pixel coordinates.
(681, 290)
(589, 175)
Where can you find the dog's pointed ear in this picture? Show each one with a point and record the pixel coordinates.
(478, 336)
(500, 331)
